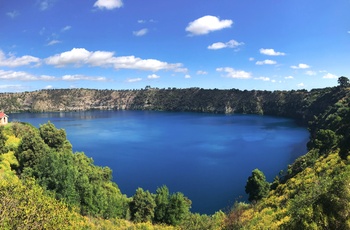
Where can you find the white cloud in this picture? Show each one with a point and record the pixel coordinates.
(301, 85)
(132, 62)
(232, 73)
(80, 56)
(66, 28)
(153, 76)
(221, 45)
(78, 77)
(23, 76)
(100, 58)
(266, 62)
(310, 73)
(49, 87)
(330, 76)
(300, 66)
(271, 52)
(13, 61)
(76, 56)
(251, 59)
(108, 4)
(13, 14)
(207, 24)
(141, 32)
(263, 78)
(131, 80)
(141, 21)
(201, 72)
(45, 4)
(53, 42)
(289, 77)
(187, 76)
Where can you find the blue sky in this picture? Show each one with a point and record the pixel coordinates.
(129, 44)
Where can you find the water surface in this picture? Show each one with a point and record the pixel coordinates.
(207, 157)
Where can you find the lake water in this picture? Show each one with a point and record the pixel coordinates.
(208, 157)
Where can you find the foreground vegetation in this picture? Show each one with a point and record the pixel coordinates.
(44, 185)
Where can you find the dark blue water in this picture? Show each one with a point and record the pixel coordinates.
(207, 157)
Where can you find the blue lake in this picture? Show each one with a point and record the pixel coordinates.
(208, 157)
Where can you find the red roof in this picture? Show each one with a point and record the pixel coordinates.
(2, 115)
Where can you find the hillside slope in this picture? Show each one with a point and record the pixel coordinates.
(301, 105)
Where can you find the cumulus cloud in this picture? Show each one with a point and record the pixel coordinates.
(300, 66)
(45, 4)
(23, 76)
(187, 76)
(310, 73)
(289, 77)
(108, 4)
(141, 32)
(81, 56)
(153, 76)
(207, 24)
(330, 76)
(13, 61)
(131, 80)
(221, 45)
(266, 62)
(301, 85)
(13, 14)
(132, 62)
(251, 59)
(201, 72)
(263, 78)
(76, 56)
(271, 52)
(78, 77)
(232, 73)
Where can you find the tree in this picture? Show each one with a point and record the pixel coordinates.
(257, 187)
(53, 137)
(178, 208)
(343, 81)
(162, 201)
(142, 206)
(326, 140)
(3, 139)
(30, 150)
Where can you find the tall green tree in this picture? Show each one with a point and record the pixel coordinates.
(257, 187)
(142, 206)
(343, 81)
(162, 201)
(58, 173)
(2, 140)
(325, 140)
(30, 150)
(178, 208)
(53, 137)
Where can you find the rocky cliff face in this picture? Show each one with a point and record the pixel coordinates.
(301, 105)
(65, 100)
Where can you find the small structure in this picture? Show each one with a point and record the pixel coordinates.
(3, 118)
